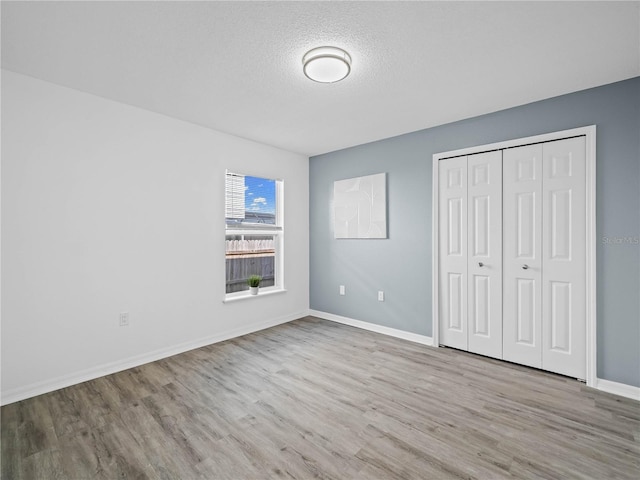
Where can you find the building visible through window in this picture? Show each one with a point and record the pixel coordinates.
(253, 231)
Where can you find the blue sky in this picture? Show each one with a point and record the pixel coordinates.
(259, 195)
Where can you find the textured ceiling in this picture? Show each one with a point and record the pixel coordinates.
(236, 66)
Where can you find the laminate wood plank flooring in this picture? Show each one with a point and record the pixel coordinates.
(316, 399)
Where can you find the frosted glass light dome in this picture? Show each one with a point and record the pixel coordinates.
(326, 64)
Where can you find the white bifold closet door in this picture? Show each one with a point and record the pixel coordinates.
(564, 253)
(470, 254)
(452, 187)
(522, 217)
(544, 256)
(484, 191)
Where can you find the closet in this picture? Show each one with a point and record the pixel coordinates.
(512, 254)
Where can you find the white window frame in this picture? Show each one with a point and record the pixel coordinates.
(276, 230)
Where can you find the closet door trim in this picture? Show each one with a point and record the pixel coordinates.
(589, 133)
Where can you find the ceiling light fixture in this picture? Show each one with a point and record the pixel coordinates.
(326, 64)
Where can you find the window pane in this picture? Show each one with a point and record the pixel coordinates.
(249, 255)
(249, 200)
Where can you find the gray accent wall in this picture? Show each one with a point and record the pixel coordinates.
(401, 265)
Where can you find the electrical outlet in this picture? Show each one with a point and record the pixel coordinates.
(124, 319)
(380, 296)
(342, 291)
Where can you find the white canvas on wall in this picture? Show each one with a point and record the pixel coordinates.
(360, 207)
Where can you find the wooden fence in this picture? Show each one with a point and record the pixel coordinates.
(250, 246)
(241, 266)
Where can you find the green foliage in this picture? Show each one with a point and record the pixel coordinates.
(254, 280)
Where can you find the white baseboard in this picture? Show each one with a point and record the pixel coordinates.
(372, 327)
(38, 388)
(616, 388)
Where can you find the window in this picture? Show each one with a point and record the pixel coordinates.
(253, 232)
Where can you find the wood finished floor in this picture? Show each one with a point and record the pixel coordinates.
(315, 399)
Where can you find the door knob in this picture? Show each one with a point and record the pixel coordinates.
(524, 267)
(480, 264)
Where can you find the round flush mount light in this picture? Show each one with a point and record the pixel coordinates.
(326, 64)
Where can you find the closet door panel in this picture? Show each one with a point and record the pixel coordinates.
(485, 253)
(563, 254)
(452, 186)
(522, 261)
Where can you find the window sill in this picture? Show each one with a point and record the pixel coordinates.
(235, 297)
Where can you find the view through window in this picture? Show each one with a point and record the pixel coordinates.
(253, 231)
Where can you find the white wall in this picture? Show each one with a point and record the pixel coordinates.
(109, 208)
